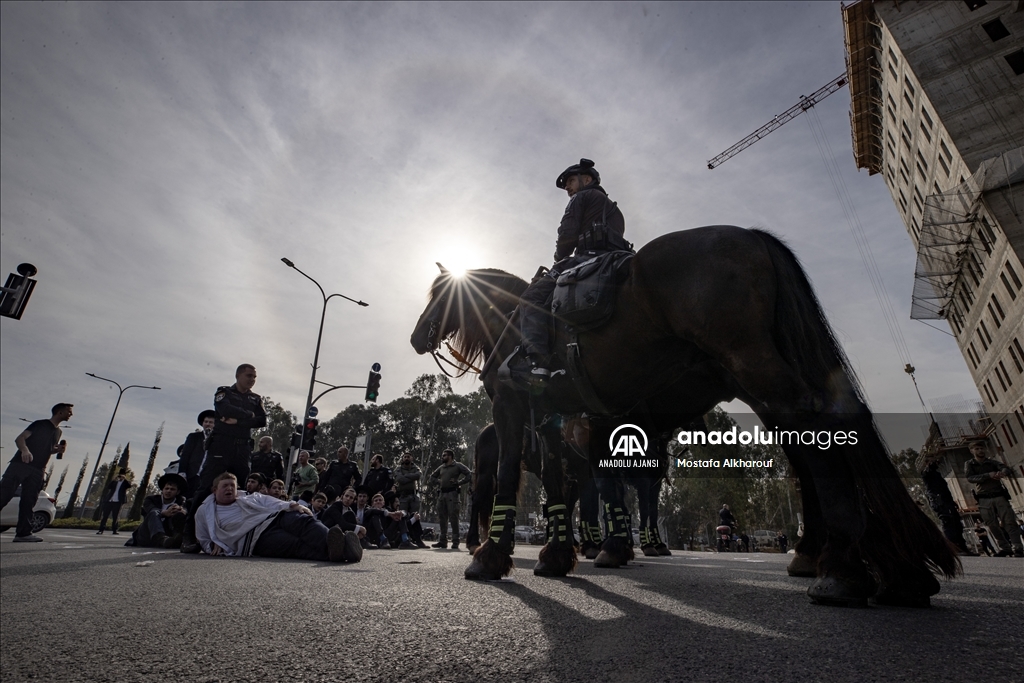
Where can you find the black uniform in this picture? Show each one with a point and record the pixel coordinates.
(592, 224)
(270, 465)
(341, 475)
(943, 505)
(379, 480)
(229, 446)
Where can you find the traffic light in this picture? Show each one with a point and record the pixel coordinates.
(297, 437)
(309, 437)
(373, 384)
(16, 291)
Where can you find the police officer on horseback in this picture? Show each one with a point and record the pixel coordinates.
(592, 224)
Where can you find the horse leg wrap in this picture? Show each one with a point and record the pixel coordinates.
(558, 524)
(503, 527)
(615, 521)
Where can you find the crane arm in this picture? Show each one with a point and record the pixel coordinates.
(803, 105)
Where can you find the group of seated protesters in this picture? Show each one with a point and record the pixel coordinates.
(263, 521)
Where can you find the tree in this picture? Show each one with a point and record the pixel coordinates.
(60, 483)
(69, 509)
(143, 490)
(47, 475)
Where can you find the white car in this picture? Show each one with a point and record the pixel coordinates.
(764, 538)
(42, 514)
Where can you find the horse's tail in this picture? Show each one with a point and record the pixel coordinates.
(898, 532)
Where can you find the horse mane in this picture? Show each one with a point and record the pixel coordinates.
(477, 298)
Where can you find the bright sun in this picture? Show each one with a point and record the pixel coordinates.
(459, 258)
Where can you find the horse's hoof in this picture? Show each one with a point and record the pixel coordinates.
(555, 560)
(649, 550)
(591, 552)
(607, 560)
(830, 590)
(476, 571)
(490, 563)
(663, 550)
(803, 565)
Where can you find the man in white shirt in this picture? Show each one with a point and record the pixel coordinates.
(256, 524)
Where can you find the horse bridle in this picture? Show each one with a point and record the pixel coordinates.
(435, 325)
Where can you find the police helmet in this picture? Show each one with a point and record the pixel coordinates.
(585, 167)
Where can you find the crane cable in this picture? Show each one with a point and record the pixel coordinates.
(861, 240)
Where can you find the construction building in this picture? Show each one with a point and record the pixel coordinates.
(937, 109)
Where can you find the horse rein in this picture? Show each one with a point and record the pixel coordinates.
(466, 367)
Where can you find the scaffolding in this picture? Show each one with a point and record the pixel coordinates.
(953, 225)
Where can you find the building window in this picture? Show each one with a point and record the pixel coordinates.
(994, 318)
(1009, 289)
(903, 200)
(945, 168)
(915, 228)
(985, 244)
(893, 57)
(988, 229)
(1020, 351)
(999, 309)
(1006, 374)
(910, 86)
(995, 30)
(1016, 359)
(981, 324)
(975, 4)
(988, 395)
(907, 135)
(895, 76)
(905, 169)
(1008, 433)
(920, 157)
(973, 273)
(927, 119)
(975, 358)
(1013, 275)
(909, 100)
(995, 396)
(946, 152)
(927, 135)
(1020, 421)
(1016, 61)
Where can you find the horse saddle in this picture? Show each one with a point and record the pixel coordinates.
(584, 296)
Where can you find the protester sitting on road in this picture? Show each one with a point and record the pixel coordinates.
(319, 505)
(163, 515)
(253, 483)
(236, 526)
(341, 513)
(276, 490)
(380, 520)
(409, 531)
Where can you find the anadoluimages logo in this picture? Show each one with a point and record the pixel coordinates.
(629, 451)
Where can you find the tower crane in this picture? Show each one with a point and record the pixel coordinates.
(803, 105)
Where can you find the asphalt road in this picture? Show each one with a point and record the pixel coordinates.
(80, 608)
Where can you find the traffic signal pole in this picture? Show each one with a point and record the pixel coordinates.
(316, 358)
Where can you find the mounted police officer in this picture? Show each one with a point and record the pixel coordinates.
(228, 449)
(592, 224)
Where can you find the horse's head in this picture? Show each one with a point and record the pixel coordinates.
(468, 307)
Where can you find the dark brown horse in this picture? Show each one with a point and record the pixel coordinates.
(705, 316)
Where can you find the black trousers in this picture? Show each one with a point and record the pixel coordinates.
(30, 479)
(223, 454)
(154, 523)
(110, 509)
(293, 535)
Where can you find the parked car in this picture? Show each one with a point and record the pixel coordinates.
(764, 538)
(523, 533)
(42, 514)
(538, 536)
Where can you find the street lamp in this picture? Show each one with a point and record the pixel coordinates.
(316, 358)
(99, 458)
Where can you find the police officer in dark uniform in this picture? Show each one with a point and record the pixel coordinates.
(228, 449)
(379, 479)
(592, 224)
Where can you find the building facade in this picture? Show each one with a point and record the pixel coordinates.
(937, 109)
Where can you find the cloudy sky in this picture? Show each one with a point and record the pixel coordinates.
(158, 160)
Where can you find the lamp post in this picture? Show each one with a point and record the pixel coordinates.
(99, 458)
(316, 359)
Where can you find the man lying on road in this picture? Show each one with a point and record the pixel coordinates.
(256, 524)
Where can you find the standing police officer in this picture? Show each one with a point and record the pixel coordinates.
(406, 477)
(451, 475)
(228, 449)
(592, 224)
